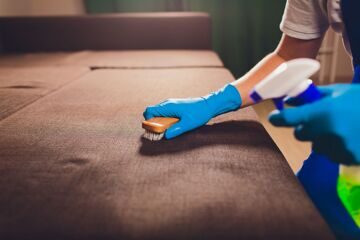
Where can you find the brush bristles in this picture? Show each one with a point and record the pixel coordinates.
(153, 136)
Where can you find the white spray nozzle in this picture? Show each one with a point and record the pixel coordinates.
(285, 79)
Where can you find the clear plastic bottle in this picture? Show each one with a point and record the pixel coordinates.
(348, 189)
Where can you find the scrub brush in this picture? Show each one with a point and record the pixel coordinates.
(156, 127)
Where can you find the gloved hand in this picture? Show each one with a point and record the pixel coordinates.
(195, 112)
(332, 124)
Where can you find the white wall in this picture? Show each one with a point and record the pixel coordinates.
(40, 7)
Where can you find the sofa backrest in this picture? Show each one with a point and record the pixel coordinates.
(129, 31)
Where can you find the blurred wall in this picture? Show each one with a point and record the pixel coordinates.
(334, 60)
(344, 70)
(40, 7)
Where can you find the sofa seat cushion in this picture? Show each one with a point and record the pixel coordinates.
(74, 165)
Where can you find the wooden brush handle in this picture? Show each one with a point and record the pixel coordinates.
(158, 124)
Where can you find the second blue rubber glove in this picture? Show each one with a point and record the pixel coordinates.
(195, 112)
(332, 124)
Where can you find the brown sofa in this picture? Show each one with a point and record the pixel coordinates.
(72, 161)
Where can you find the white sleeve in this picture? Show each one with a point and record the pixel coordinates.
(305, 19)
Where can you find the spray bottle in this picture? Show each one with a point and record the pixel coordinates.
(291, 80)
(348, 188)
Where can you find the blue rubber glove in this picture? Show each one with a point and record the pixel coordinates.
(332, 124)
(195, 112)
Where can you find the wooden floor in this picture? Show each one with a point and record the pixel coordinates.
(294, 151)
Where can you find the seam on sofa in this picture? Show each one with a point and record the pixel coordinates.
(155, 68)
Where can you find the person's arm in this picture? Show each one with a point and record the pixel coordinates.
(288, 48)
(195, 112)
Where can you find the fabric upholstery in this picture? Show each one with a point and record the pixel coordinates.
(116, 59)
(25, 60)
(147, 59)
(177, 30)
(21, 87)
(73, 165)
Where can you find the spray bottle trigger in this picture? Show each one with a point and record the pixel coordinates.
(279, 103)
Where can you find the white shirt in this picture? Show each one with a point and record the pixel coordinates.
(310, 19)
